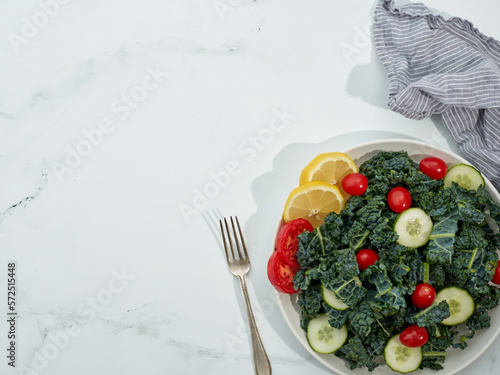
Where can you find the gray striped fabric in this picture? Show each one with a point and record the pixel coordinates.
(438, 66)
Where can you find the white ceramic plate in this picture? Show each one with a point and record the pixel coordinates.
(456, 359)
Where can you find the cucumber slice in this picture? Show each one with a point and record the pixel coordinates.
(413, 227)
(322, 337)
(332, 300)
(460, 302)
(402, 358)
(465, 175)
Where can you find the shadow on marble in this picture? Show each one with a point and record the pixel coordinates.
(368, 82)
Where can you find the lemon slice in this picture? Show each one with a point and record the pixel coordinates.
(313, 201)
(329, 167)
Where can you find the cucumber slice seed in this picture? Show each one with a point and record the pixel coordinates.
(322, 337)
(332, 300)
(460, 302)
(464, 175)
(402, 358)
(413, 227)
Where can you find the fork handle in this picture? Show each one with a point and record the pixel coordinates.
(261, 361)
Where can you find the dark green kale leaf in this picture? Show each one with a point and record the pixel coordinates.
(310, 302)
(314, 246)
(440, 202)
(360, 319)
(347, 288)
(385, 298)
(337, 317)
(432, 362)
(378, 336)
(405, 267)
(350, 211)
(430, 316)
(397, 253)
(339, 274)
(485, 199)
(474, 261)
(356, 235)
(371, 212)
(440, 246)
(336, 270)
(436, 275)
(323, 242)
(393, 324)
(383, 236)
(441, 337)
(491, 299)
(305, 277)
(346, 263)
(479, 320)
(357, 355)
(436, 203)
(388, 303)
(398, 273)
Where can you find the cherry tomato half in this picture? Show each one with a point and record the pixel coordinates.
(433, 167)
(366, 258)
(423, 296)
(281, 274)
(355, 184)
(399, 199)
(287, 243)
(414, 336)
(496, 276)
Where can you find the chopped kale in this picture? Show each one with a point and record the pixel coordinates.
(357, 354)
(430, 316)
(440, 247)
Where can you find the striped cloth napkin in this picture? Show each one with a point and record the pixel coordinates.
(439, 66)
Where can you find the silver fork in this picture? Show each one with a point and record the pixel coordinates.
(238, 263)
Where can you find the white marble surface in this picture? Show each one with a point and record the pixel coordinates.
(115, 274)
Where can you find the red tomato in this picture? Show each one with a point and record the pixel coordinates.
(423, 296)
(366, 258)
(496, 276)
(399, 199)
(355, 184)
(287, 243)
(414, 336)
(433, 167)
(281, 274)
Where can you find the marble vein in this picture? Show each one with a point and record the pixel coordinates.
(21, 204)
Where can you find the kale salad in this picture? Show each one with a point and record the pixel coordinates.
(369, 308)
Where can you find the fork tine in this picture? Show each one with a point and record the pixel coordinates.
(242, 239)
(238, 247)
(224, 241)
(230, 240)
